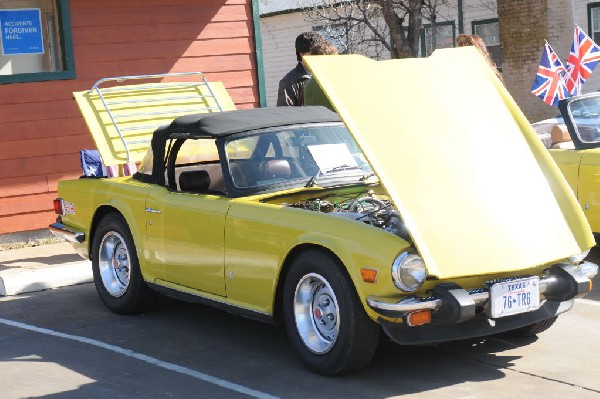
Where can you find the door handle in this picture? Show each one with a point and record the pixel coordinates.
(151, 210)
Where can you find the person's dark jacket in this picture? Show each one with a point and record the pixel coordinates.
(291, 87)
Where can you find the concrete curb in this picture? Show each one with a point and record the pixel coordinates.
(19, 281)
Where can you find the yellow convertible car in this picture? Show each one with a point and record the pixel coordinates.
(399, 212)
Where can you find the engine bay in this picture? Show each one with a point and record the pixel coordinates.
(366, 207)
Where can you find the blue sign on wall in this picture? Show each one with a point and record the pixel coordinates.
(21, 31)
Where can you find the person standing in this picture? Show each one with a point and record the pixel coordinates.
(291, 86)
(313, 94)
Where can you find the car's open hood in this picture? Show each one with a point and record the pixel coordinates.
(123, 134)
(476, 188)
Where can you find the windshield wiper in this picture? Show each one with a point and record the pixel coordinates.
(367, 176)
(313, 180)
(341, 167)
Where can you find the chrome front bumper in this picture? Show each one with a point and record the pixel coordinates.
(60, 230)
(562, 282)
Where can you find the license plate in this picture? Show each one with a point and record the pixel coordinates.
(514, 297)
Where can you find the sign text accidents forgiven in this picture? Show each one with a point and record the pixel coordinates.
(21, 31)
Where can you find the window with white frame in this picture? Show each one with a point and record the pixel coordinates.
(489, 31)
(35, 41)
(594, 21)
(444, 37)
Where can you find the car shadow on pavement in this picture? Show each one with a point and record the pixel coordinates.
(395, 370)
(417, 369)
(41, 261)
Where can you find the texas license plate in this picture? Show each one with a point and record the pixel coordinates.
(514, 297)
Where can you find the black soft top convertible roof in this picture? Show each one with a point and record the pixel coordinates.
(229, 122)
(221, 124)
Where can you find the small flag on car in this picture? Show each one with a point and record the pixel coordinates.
(549, 83)
(583, 58)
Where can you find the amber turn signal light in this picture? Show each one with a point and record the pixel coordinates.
(368, 275)
(418, 317)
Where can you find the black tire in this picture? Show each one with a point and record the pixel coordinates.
(122, 288)
(321, 347)
(532, 329)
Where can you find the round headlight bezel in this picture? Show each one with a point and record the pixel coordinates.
(409, 265)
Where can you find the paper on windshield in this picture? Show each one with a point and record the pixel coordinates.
(329, 156)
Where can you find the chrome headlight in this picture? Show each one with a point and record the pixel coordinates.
(409, 271)
(577, 259)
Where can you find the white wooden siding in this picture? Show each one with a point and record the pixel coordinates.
(279, 55)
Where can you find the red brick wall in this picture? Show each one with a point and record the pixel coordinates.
(524, 26)
(41, 130)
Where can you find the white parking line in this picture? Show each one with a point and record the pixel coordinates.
(150, 360)
(588, 301)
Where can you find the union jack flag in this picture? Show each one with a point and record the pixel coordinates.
(583, 58)
(549, 84)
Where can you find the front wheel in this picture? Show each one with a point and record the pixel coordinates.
(116, 268)
(324, 318)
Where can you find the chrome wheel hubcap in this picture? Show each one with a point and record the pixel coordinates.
(113, 264)
(316, 313)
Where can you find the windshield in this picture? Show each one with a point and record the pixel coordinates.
(585, 114)
(325, 154)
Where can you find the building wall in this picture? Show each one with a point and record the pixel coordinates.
(473, 10)
(279, 55)
(477, 10)
(41, 130)
(522, 44)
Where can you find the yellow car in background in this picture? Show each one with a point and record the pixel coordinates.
(574, 142)
(401, 212)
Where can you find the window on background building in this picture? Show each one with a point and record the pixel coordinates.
(489, 31)
(335, 34)
(35, 41)
(594, 21)
(445, 33)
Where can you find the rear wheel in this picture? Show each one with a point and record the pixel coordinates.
(324, 317)
(532, 329)
(116, 269)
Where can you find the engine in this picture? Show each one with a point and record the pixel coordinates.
(368, 208)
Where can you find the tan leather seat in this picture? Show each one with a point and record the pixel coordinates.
(561, 138)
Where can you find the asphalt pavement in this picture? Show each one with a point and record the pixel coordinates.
(66, 344)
